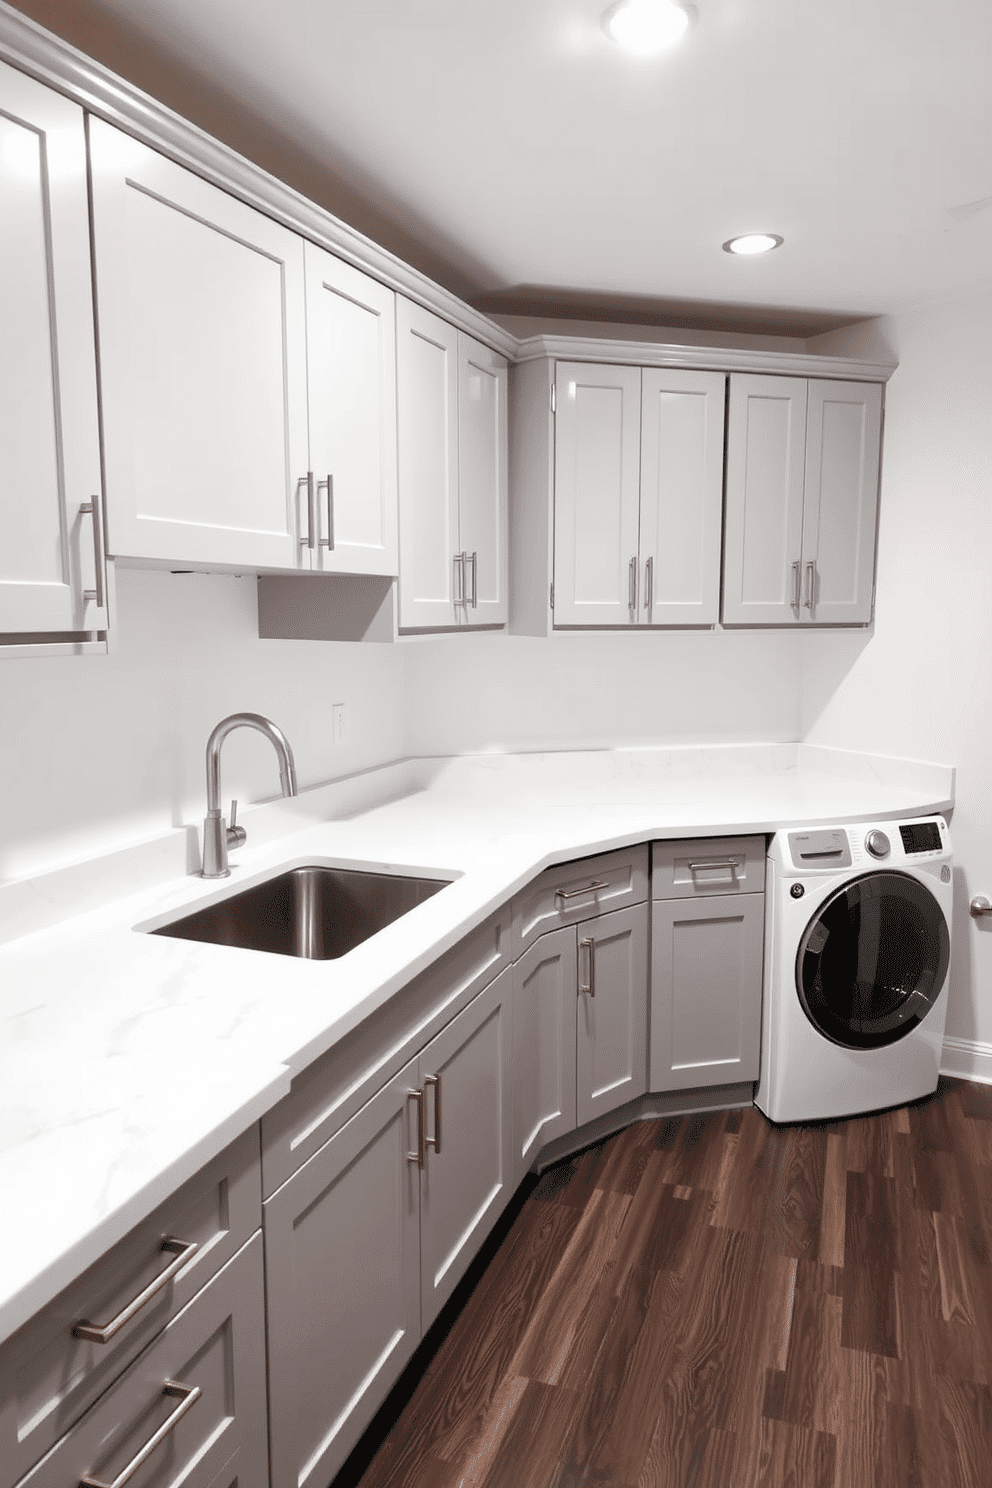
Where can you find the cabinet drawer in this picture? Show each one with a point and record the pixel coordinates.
(339, 1083)
(215, 1346)
(707, 866)
(579, 890)
(49, 1377)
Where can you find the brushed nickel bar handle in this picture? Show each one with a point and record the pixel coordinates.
(435, 1140)
(420, 1156)
(187, 1395)
(796, 585)
(632, 584)
(103, 1333)
(808, 602)
(307, 480)
(459, 561)
(328, 541)
(590, 987)
(561, 895)
(733, 863)
(94, 510)
(475, 581)
(649, 586)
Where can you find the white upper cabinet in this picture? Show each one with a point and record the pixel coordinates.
(452, 431)
(51, 559)
(638, 495)
(201, 320)
(597, 493)
(802, 492)
(682, 417)
(351, 358)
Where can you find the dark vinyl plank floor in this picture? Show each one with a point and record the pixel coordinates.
(717, 1302)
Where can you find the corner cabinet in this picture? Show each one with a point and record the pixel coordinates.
(452, 432)
(52, 573)
(802, 498)
(638, 489)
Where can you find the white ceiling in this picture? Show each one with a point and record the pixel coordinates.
(517, 139)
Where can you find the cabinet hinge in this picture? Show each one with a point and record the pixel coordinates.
(552, 596)
(552, 397)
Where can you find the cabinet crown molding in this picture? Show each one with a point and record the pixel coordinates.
(699, 358)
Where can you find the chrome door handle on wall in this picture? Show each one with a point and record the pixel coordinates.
(435, 1140)
(310, 541)
(796, 585)
(104, 1332)
(187, 1395)
(590, 986)
(328, 541)
(420, 1156)
(94, 510)
(981, 905)
(648, 586)
(632, 584)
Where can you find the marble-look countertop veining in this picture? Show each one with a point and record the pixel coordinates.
(129, 1060)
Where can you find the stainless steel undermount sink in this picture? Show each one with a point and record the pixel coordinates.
(316, 912)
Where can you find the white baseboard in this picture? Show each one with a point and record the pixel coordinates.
(967, 1060)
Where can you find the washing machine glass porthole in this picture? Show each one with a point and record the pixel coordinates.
(872, 960)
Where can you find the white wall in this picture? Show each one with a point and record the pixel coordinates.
(922, 685)
(99, 751)
(492, 692)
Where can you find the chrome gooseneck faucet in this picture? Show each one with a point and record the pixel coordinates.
(217, 835)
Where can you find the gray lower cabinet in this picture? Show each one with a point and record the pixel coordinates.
(580, 1027)
(195, 1396)
(707, 937)
(366, 1242)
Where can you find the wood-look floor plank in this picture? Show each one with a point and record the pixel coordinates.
(715, 1302)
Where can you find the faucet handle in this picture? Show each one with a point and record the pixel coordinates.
(236, 836)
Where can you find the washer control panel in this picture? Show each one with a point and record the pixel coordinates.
(920, 837)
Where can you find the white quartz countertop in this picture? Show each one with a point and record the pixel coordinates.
(129, 1059)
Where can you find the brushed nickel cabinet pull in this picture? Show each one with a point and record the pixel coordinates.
(632, 584)
(459, 561)
(563, 895)
(420, 1156)
(796, 584)
(328, 541)
(310, 541)
(732, 863)
(94, 510)
(474, 560)
(435, 1140)
(648, 586)
(808, 603)
(590, 987)
(103, 1333)
(187, 1395)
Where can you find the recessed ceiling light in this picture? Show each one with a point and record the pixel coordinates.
(751, 243)
(646, 27)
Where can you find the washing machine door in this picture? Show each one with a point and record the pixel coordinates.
(872, 960)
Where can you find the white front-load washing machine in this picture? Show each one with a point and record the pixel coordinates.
(857, 956)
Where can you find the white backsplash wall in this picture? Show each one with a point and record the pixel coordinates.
(96, 752)
(922, 685)
(581, 691)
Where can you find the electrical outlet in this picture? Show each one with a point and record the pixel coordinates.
(339, 723)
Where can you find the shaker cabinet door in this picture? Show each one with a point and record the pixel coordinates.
(342, 1265)
(431, 581)
(597, 493)
(201, 322)
(682, 418)
(612, 1017)
(482, 481)
(544, 1012)
(351, 363)
(49, 435)
(766, 452)
(839, 515)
